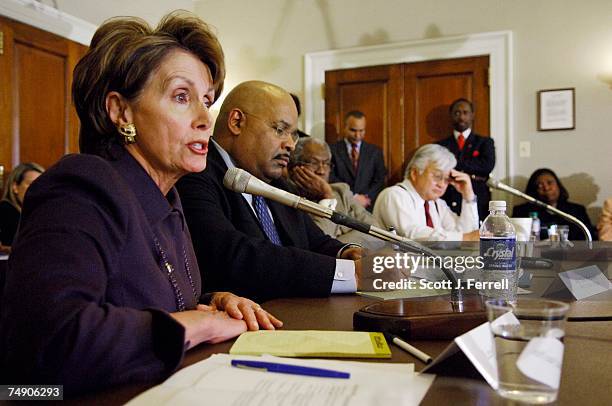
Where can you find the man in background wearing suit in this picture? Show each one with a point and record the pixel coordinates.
(358, 163)
(248, 244)
(475, 156)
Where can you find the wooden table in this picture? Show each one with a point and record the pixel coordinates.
(585, 380)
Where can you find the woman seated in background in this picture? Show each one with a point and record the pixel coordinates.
(544, 185)
(17, 183)
(103, 286)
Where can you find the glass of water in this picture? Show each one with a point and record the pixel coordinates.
(528, 337)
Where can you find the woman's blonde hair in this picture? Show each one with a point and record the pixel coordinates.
(124, 52)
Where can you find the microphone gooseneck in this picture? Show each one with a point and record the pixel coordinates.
(501, 186)
(241, 181)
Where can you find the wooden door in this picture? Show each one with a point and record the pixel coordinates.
(406, 104)
(377, 92)
(429, 89)
(37, 120)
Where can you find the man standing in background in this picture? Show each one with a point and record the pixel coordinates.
(357, 162)
(475, 156)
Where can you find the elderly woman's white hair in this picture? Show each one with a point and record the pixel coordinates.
(440, 156)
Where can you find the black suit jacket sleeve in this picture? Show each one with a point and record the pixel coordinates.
(378, 175)
(234, 254)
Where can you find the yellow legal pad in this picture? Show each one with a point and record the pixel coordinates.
(312, 343)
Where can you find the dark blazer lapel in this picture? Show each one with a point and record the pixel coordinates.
(217, 164)
(343, 154)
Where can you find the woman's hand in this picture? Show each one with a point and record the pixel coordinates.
(205, 325)
(241, 308)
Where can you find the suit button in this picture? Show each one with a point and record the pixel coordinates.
(454, 204)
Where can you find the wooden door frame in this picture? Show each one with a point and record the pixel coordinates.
(498, 45)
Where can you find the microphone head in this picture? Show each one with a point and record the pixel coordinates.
(236, 179)
(492, 182)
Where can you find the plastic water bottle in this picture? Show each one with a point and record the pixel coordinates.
(498, 251)
(535, 226)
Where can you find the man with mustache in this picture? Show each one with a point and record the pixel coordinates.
(249, 244)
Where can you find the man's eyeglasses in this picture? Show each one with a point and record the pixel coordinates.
(279, 129)
(440, 177)
(315, 164)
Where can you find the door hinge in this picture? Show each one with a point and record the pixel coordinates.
(489, 77)
(323, 91)
(1, 43)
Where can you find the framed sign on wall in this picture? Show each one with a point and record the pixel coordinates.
(556, 109)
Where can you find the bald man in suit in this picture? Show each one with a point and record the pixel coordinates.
(359, 164)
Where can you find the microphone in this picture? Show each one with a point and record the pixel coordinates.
(241, 181)
(492, 182)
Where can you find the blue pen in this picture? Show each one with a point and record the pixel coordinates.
(289, 369)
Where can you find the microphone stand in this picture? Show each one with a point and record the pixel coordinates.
(583, 227)
(407, 246)
(498, 185)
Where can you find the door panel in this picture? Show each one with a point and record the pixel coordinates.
(42, 105)
(375, 91)
(430, 89)
(37, 120)
(406, 105)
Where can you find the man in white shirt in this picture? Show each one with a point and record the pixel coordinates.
(414, 206)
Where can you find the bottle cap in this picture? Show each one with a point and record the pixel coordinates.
(533, 214)
(497, 205)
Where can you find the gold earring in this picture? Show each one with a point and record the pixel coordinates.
(129, 133)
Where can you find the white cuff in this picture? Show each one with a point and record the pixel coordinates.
(329, 203)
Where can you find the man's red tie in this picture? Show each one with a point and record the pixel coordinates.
(460, 141)
(427, 216)
(355, 157)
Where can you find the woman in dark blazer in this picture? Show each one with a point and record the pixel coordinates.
(19, 180)
(103, 286)
(544, 185)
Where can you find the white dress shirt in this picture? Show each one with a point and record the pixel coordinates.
(402, 207)
(344, 276)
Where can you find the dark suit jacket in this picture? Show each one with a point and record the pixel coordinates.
(86, 300)
(370, 177)
(477, 158)
(234, 253)
(546, 218)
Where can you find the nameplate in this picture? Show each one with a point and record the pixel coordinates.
(478, 347)
(585, 282)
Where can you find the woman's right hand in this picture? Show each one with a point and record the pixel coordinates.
(206, 325)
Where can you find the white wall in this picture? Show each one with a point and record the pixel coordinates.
(96, 11)
(557, 43)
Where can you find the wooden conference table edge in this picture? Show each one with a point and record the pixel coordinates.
(583, 379)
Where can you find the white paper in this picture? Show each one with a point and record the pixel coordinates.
(541, 360)
(214, 381)
(478, 345)
(585, 282)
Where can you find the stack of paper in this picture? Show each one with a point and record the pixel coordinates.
(215, 382)
(313, 343)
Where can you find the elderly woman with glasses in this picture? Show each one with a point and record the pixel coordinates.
(414, 206)
(103, 286)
